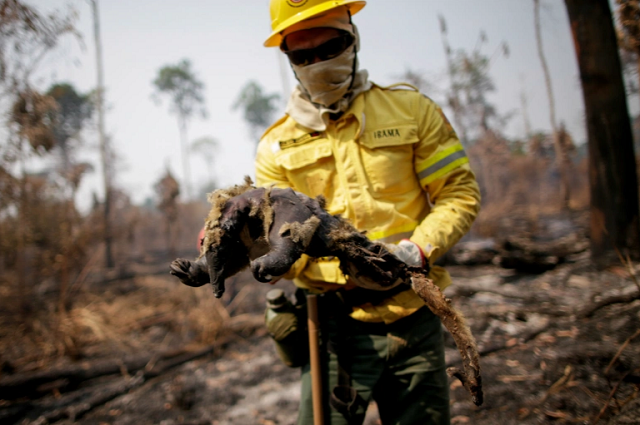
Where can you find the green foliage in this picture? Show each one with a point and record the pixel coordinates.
(72, 113)
(180, 83)
(258, 107)
(185, 90)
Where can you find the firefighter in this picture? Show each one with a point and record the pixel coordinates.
(387, 159)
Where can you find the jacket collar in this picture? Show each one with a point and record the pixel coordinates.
(356, 110)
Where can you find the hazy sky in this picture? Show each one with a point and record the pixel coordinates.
(223, 40)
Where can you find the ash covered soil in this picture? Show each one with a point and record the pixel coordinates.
(245, 385)
(555, 348)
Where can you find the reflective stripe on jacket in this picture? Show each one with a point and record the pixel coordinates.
(394, 167)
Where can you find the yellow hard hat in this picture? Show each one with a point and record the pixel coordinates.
(286, 13)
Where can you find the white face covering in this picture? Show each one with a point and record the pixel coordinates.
(325, 87)
(328, 81)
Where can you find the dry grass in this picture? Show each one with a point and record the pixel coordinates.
(156, 314)
(527, 186)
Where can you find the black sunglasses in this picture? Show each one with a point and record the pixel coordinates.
(327, 50)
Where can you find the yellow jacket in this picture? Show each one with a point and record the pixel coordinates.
(391, 164)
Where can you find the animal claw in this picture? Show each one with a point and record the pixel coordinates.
(378, 259)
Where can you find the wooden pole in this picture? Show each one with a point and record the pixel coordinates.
(314, 358)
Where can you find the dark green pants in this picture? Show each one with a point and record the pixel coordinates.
(401, 366)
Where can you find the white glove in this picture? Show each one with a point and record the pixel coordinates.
(407, 251)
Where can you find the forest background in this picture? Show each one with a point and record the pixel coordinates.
(118, 119)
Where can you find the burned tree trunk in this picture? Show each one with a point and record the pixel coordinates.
(168, 190)
(612, 167)
(104, 150)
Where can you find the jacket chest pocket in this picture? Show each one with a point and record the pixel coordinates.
(387, 157)
(310, 168)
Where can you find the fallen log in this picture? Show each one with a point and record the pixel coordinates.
(33, 384)
(471, 253)
(268, 230)
(75, 404)
(565, 246)
(471, 288)
(591, 309)
(103, 394)
(96, 398)
(528, 255)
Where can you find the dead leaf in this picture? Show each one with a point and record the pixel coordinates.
(523, 412)
(557, 414)
(545, 337)
(579, 282)
(519, 378)
(564, 334)
(619, 271)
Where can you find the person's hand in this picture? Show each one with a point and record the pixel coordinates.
(407, 251)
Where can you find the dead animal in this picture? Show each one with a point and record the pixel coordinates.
(268, 229)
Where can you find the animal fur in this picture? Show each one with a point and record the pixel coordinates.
(268, 229)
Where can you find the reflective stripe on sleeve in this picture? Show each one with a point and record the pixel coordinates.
(440, 164)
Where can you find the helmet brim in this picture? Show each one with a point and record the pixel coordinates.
(275, 39)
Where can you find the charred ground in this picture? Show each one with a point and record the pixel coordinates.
(557, 346)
